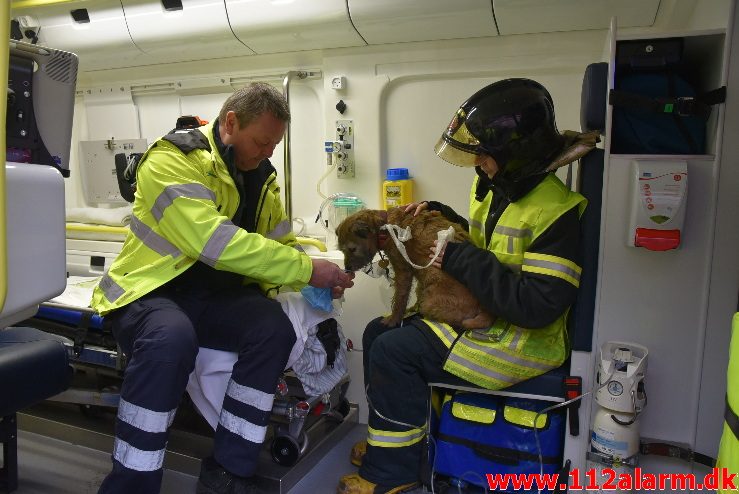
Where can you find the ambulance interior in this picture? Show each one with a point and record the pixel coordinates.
(383, 77)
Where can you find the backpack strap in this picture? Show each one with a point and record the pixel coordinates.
(681, 106)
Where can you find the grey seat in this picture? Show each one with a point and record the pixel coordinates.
(33, 366)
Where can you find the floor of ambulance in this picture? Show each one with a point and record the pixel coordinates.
(52, 466)
(73, 462)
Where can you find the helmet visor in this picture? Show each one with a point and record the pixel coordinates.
(457, 145)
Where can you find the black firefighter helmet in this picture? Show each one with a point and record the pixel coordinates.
(511, 120)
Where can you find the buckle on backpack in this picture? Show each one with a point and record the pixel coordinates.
(685, 106)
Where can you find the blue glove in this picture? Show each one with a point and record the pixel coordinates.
(318, 298)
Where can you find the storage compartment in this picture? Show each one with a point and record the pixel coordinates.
(273, 26)
(179, 30)
(390, 21)
(662, 99)
(544, 16)
(99, 36)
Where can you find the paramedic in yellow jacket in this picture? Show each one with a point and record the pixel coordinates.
(209, 239)
(521, 263)
(728, 453)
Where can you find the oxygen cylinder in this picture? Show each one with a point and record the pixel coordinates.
(621, 397)
(615, 435)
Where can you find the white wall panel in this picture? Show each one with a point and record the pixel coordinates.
(157, 114)
(111, 113)
(411, 127)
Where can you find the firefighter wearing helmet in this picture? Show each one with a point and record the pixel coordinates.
(521, 263)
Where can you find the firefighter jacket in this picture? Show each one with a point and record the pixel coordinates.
(529, 283)
(728, 451)
(184, 205)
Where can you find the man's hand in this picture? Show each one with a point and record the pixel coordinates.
(416, 207)
(432, 250)
(328, 275)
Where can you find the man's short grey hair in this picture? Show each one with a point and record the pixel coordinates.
(250, 102)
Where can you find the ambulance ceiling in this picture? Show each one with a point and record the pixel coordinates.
(124, 33)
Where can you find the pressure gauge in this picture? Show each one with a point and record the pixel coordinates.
(615, 388)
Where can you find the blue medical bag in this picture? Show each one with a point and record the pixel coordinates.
(483, 434)
(656, 108)
(643, 128)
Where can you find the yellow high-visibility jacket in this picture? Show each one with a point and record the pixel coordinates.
(185, 201)
(728, 452)
(505, 353)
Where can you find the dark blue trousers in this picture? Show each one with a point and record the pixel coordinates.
(398, 365)
(161, 333)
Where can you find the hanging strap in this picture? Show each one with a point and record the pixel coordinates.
(682, 106)
(498, 454)
(675, 451)
(80, 334)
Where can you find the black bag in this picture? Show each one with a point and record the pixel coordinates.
(328, 335)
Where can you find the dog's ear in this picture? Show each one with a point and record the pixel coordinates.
(361, 229)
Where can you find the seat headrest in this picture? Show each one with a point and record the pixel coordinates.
(593, 97)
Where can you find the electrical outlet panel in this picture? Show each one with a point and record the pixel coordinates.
(345, 156)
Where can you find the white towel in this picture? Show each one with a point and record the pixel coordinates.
(208, 382)
(100, 216)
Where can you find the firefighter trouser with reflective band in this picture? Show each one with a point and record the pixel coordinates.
(399, 364)
(728, 452)
(160, 334)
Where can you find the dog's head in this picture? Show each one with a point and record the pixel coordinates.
(358, 237)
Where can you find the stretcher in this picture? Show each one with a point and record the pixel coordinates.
(99, 367)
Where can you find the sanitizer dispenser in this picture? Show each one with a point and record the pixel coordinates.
(658, 195)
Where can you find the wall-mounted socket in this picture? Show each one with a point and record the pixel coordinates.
(338, 82)
(345, 157)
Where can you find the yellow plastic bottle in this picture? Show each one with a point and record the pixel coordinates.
(397, 189)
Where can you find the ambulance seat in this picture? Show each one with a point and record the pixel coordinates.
(34, 366)
(590, 185)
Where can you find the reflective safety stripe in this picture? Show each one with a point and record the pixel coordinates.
(474, 223)
(518, 333)
(137, 459)
(501, 355)
(151, 239)
(250, 396)
(143, 418)
(393, 439)
(525, 418)
(241, 427)
(513, 232)
(552, 266)
(280, 230)
(443, 332)
(472, 413)
(217, 243)
(489, 373)
(172, 192)
(110, 288)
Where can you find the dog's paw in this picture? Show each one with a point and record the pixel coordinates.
(391, 321)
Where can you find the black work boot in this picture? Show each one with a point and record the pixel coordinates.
(214, 479)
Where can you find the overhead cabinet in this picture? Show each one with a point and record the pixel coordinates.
(274, 26)
(179, 30)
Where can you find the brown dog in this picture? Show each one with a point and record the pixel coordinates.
(440, 297)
